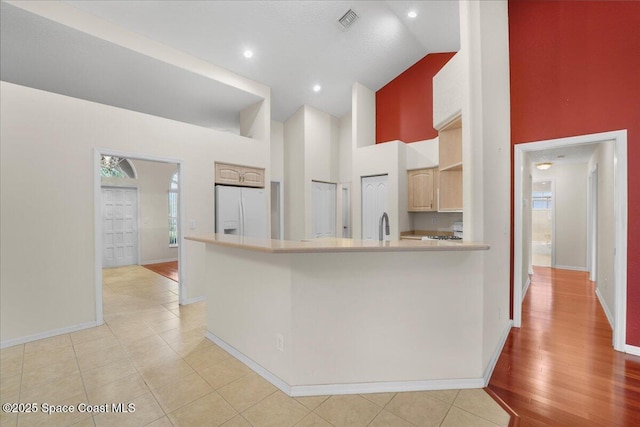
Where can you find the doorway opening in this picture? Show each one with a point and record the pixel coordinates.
(615, 159)
(137, 217)
(277, 226)
(542, 224)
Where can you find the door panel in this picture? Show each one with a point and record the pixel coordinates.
(375, 197)
(119, 226)
(323, 206)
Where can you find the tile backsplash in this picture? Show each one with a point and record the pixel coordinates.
(436, 221)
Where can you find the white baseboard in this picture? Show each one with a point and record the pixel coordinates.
(351, 388)
(526, 287)
(604, 306)
(258, 369)
(193, 300)
(570, 267)
(496, 354)
(632, 349)
(47, 334)
(385, 387)
(158, 261)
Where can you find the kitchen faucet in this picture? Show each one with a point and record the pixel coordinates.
(386, 229)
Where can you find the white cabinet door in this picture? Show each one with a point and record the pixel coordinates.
(374, 204)
(119, 226)
(323, 208)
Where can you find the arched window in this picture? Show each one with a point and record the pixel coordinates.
(116, 167)
(173, 211)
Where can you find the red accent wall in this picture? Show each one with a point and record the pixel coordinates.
(575, 69)
(404, 107)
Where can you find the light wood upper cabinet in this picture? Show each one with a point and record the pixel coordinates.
(239, 175)
(423, 184)
(450, 167)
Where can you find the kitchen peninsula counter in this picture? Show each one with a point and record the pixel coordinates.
(334, 316)
(334, 244)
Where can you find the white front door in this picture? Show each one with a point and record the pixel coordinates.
(119, 226)
(375, 202)
(323, 208)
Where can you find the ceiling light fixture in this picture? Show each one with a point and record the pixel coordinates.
(317, 88)
(412, 14)
(248, 54)
(543, 166)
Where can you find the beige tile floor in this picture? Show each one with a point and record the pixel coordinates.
(152, 352)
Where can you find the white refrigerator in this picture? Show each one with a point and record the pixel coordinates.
(241, 211)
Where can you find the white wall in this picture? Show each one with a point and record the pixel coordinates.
(312, 153)
(363, 109)
(603, 159)
(294, 162)
(486, 157)
(47, 216)
(321, 156)
(277, 151)
(423, 154)
(570, 200)
(449, 90)
(345, 156)
(153, 192)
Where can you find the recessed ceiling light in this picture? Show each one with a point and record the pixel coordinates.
(317, 88)
(412, 14)
(248, 53)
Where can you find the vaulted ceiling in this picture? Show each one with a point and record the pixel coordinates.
(295, 45)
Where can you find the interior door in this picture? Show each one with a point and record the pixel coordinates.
(375, 201)
(119, 226)
(323, 208)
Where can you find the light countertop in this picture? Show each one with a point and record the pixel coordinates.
(334, 244)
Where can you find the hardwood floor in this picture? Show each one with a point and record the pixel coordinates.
(166, 269)
(560, 368)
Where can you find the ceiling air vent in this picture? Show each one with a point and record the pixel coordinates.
(348, 19)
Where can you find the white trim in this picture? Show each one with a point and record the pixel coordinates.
(620, 248)
(518, 183)
(158, 261)
(620, 214)
(48, 334)
(592, 223)
(632, 349)
(351, 388)
(187, 301)
(496, 353)
(526, 288)
(182, 225)
(258, 369)
(605, 307)
(385, 387)
(97, 232)
(571, 267)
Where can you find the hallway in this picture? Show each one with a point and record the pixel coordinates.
(560, 367)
